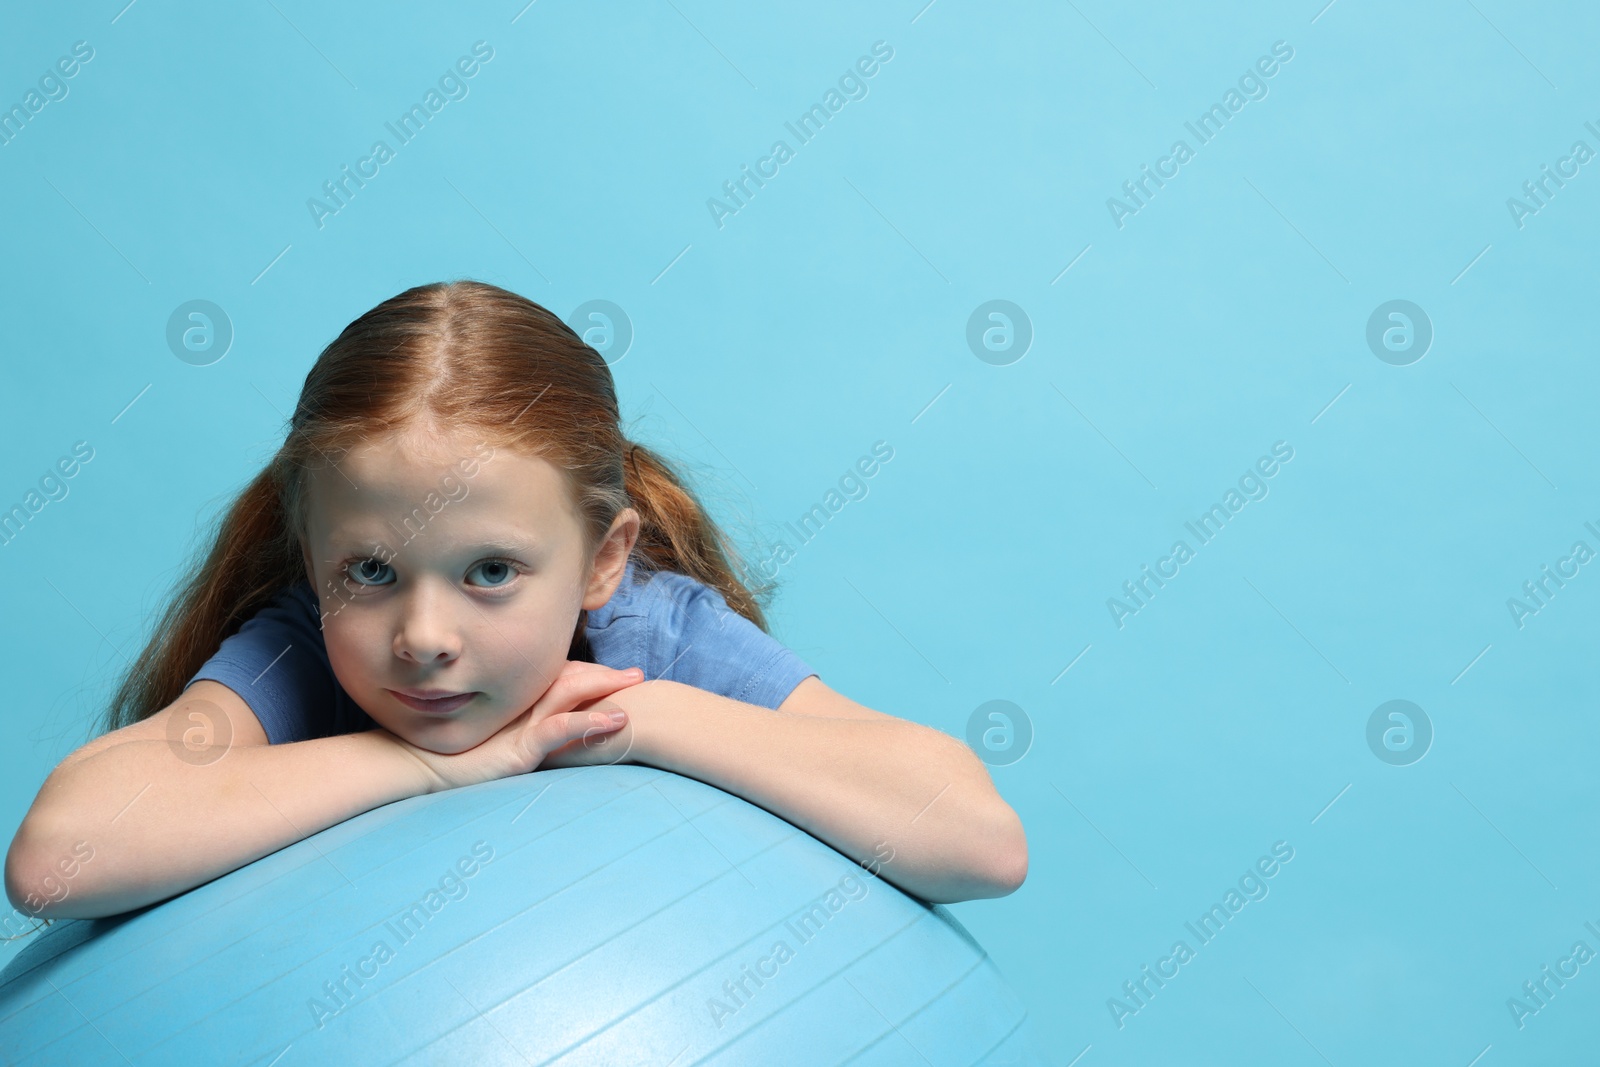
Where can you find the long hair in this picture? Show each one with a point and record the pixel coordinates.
(463, 354)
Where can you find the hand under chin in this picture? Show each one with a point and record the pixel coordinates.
(600, 749)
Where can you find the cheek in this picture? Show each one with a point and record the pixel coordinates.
(527, 659)
(351, 649)
(543, 634)
(521, 664)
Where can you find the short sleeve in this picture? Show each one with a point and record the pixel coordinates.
(278, 664)
(696, 639)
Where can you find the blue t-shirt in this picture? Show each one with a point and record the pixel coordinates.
(666, 623)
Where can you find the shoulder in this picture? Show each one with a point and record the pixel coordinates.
(674, 605)
(293, 607)
(292, 613)
(694, 637)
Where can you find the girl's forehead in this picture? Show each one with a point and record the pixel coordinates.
(370, 486)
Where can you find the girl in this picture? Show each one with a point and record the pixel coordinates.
(456, 568)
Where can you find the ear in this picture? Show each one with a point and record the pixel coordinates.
(611, 559)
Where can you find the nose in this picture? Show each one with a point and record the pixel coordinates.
(427, 634)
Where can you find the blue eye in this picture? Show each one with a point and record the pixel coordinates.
(369, 573)
(497, 567)
(365, 571)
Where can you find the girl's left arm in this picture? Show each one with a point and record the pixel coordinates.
(913, 804)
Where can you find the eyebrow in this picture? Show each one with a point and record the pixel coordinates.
(500, 545)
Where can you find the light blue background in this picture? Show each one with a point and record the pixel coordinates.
(831, 312)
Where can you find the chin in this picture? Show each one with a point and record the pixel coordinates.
(447, 744)
(445, 738)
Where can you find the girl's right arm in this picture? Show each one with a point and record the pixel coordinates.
(137, 815)
(156, 816)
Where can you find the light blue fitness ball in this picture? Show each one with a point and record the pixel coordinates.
(591, 915)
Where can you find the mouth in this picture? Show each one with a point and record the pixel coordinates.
(436, 703)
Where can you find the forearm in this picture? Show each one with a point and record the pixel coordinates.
(871, 788)
(158, 826)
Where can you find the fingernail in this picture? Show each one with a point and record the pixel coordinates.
(618, 716)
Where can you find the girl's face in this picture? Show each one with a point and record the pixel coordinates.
(447, 567)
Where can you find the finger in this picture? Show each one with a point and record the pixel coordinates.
(585, 684)
(558, 730)
(602, 740)
(577, 666)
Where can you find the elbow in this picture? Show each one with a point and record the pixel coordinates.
(1002, 856)
(39, 878)
(19, 875)
(986, 881)
(1000, 865)
(996, 868)
(1006, 866)
(1016, 874)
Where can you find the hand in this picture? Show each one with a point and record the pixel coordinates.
(569, 713)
